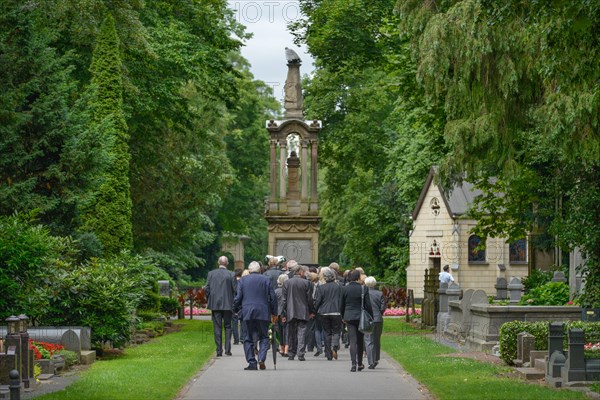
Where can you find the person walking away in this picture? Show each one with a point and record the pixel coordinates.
(220, 291)
(445, 276)
(256, 300)
(281, 326)
(237, 327)
(298, 308)
(327, 304)
(373, 339)
(350, 308)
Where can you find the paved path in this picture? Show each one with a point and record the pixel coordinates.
(313, 379)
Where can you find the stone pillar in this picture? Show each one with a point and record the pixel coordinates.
(282, 179)
(574, 369)
(273, 174)
(556, 358)
(501, 286)
(304, 172)
(314, 178)
(26, 353)
(293, 100)
(13, 341)
(515, 289)
(443, 316)
(443, 297)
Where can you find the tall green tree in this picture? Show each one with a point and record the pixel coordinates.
(520, 85)
(108, 215)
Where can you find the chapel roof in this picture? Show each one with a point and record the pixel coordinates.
(457, 199)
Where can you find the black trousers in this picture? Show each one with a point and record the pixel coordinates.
(357, 342)
(222, 318)
(332, 326)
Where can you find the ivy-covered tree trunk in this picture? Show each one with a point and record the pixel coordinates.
(108, 214)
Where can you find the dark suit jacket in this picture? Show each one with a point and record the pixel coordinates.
(351, 301)
(328, 298)
(255, 297)
(297, 298)
(378, 304)
(273, 273)
(220, 289)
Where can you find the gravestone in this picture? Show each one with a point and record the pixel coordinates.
(465, 303)
(559, 276)
(70, 341)
(164, 288)
(525, 344)
(515, 289)
(501, 288)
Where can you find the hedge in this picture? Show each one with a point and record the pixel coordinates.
(510, 330)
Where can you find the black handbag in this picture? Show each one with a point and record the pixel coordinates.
(365, 324)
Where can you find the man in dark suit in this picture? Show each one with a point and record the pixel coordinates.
(220, 291)
(256, 299)
(298, 308)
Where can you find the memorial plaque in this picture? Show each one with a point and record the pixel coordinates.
(299, 250)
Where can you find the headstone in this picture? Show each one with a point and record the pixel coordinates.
(525, 344)
(465, 303)
(479, 297)
(453, 291)
(501, 288)
(70, 341)
(559, 276)
(164, 288)
(515, 289)
(574, 368)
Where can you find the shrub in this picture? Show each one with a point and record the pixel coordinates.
(71, 357)
(536, 278)
(508, 337)
(549, 294)
(169, 306)
(510, 330)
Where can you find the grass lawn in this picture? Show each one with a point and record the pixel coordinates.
(455, 377)
(156, 370)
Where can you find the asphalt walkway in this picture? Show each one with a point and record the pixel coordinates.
(313, 379)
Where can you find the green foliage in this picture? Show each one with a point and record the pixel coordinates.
(28, 254)
(536, 278)
(549, 294)
(108, 215)
(510, 330)
(380, 137)
(519, 86)
(508, 337)
(169, 305)
(71, 357)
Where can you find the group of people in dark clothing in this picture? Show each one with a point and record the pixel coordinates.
(308, 307)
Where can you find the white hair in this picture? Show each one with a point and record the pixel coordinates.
(281, 279)
(223, 260)
(370, 282)
(254, 267)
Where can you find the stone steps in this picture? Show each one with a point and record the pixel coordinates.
(531, 374)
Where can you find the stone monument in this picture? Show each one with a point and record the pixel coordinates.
(292, 210)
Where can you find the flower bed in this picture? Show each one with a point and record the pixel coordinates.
(44, 350)
(196, 311)
(592, 350)
(400, 312)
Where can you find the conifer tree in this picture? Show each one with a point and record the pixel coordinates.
(108, 213)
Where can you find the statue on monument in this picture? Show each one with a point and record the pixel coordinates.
(293, 89)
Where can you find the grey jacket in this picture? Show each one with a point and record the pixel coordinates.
(328, 298)
(220, 289)
(297, 298)
(378, 304)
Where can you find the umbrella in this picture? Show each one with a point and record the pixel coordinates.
(274, 345)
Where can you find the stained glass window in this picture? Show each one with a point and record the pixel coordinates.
(518, 251)
(475, 254)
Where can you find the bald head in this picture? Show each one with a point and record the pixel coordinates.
(223, 261)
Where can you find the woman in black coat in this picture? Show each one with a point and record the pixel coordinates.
(351, 306)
